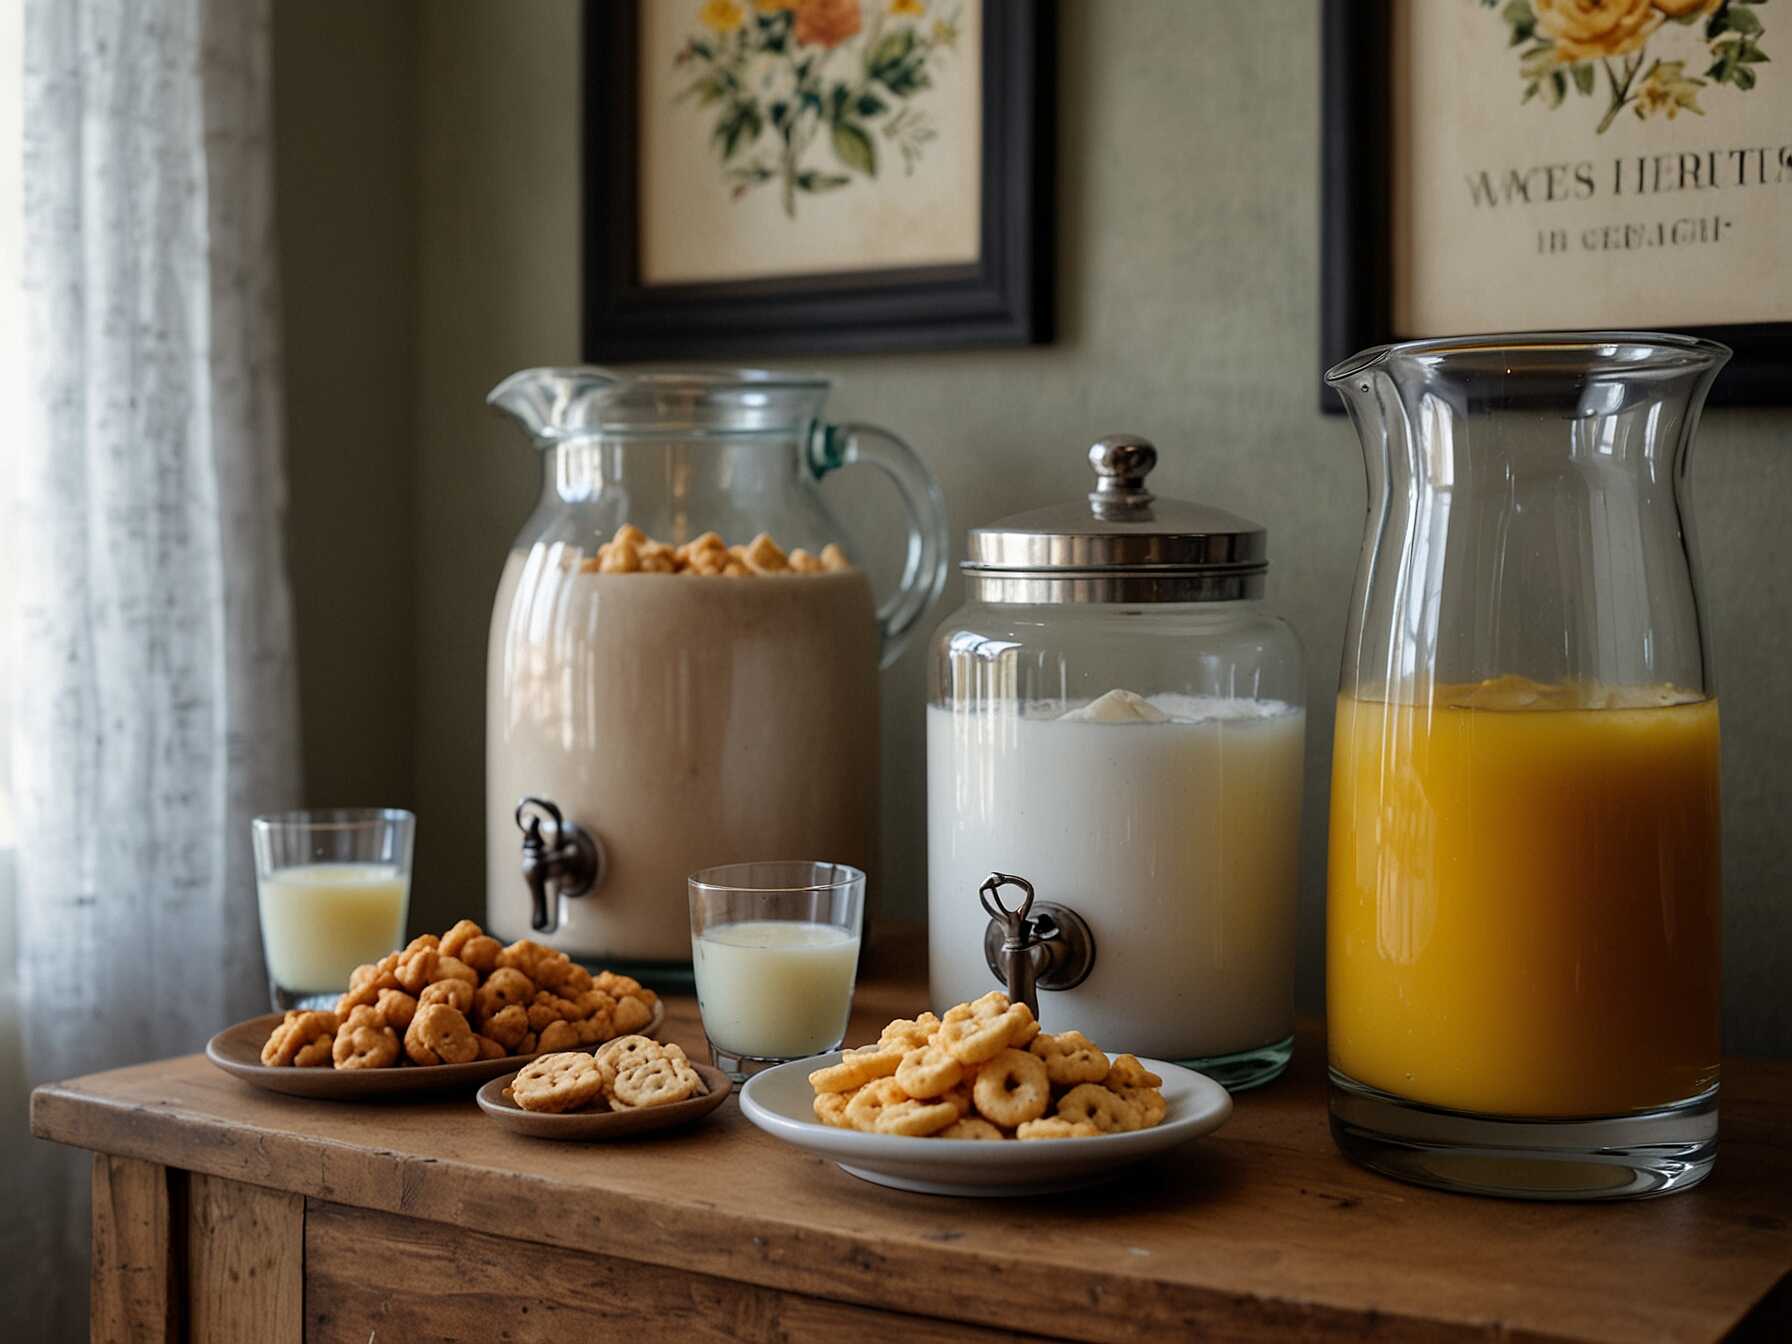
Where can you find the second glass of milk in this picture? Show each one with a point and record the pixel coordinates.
(775, 951)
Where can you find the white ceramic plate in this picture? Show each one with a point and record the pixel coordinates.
(780, 1101)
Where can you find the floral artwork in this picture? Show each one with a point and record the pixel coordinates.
(1655, 57)
(813, 95)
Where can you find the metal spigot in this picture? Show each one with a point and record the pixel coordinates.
(1042, 945)
(569, 859)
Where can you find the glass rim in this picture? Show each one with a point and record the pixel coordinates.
(716, 879)
(1657, 349)
(334, 818)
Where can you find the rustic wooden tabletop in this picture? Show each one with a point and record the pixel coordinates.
(1260, 1231)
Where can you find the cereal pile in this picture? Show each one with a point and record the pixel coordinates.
(461, 997)
(630, 1073)
(986, 1071)
(632, 551)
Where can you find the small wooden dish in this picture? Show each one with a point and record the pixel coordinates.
(585, 1126)
(237, 1050)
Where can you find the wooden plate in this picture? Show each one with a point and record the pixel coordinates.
(604, 1124)
(237, 1050)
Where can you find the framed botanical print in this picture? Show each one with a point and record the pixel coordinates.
(1510, 165)
(806, 176)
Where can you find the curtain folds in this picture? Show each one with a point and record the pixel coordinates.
(155, 705)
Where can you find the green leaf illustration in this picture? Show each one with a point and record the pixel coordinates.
(819, 182)
(892, 50)
(1583, 76)
(1523, 21)
(869, 105)
(740, 125)
(1744, 21)
(854, 148)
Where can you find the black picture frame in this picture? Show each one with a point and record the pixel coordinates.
(1356, 247)
(1005, 298)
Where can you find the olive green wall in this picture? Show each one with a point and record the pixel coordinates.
(1188, 233)
(345, 117)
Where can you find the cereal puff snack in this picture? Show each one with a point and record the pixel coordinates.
(460, 997)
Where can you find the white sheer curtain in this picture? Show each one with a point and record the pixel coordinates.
(153, 696)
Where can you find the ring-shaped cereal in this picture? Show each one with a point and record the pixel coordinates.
(1056, 1128)
(871, 1100)
(910, 1032)
(928, 1072)
(1012, 1089)
(1128, 1072)
(971, 1127)
(830, 1108)
(855, 1069)
(1093, 1104)
(1071, 1058)
(972, 1039)
(916, 1119)
(1150, 1103)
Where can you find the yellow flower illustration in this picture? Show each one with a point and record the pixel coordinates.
(1614, 52)
(826, 23)
(722, 15)
(1585, 30)
(908, 9)
(1667, 89)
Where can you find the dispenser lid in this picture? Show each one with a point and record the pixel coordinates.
(1123, 530)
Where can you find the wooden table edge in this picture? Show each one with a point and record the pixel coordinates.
(789, 1253)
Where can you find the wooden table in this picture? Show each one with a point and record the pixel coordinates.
(224, 1213)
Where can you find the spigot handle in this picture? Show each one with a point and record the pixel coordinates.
(570, 860)
(1027, 951)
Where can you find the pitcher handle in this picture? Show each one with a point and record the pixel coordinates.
(924, 568)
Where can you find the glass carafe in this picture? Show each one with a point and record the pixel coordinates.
(684, 720)
(1523, 888)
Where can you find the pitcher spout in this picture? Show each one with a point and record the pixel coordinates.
(551, 403)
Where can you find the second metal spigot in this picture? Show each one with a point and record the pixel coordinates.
(568, 858)
(1040, 945)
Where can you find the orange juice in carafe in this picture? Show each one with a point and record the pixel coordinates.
(1524, 897)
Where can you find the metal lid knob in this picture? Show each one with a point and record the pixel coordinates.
(1118, 543)
(1122, 462)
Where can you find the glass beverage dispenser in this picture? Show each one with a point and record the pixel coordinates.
(662, 713)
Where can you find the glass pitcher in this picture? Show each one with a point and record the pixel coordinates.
(663, 721)
(1523, 887)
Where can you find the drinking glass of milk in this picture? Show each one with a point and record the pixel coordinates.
(775, 948)
(334, 886)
